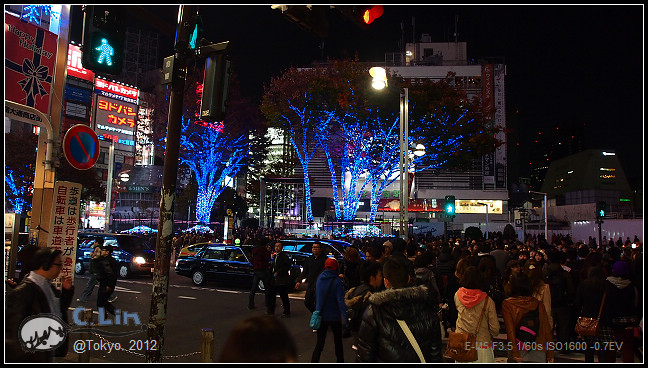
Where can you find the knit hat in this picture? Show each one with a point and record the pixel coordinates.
(330, 264)
(621, 268)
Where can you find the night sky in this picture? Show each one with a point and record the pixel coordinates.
(577, 65)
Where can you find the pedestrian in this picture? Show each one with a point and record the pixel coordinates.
(623, 309)
(449, 312)
(33, 296)
(280, 281)
(350, 268)
(357, 298)
(25, 257)
(261, 266)
(259, 339)
(330, 303)
(513, 266)
(514, 308)
(380, 338)
(587, 303)
(541, 290)
(477, 310)
(561, 288)
(107, 276)
(313, 266)
(388, 247)
(93, 269)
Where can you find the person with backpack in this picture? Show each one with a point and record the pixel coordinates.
(562, 296)
(527, 327)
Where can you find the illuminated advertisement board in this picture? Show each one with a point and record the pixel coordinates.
(116, 91)
(116, 121)
(74, 67)
(477, 206)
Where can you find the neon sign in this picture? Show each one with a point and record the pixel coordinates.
(116, 90)
(74, 67)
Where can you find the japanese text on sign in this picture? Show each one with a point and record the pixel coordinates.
(65, 223)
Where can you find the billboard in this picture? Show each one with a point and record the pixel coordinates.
(116, 121)
(30, 57)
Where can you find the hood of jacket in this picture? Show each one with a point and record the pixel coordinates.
(328, 274)
(470, 297)
(619, 282)
(400, 296)
(524, 302)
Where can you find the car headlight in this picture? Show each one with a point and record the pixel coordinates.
(139, 260)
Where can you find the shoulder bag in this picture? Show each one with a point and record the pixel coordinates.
(316, 318)
(586, 326)
(411, 339)
(462, 345)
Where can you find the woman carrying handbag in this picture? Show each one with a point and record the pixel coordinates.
(477, 311)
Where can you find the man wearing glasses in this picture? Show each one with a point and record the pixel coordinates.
(36, 295)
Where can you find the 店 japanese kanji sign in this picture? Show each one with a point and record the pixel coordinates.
(30, 57)
(64, 223)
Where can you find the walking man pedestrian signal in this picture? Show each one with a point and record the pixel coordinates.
(450, 205)
(106, 51)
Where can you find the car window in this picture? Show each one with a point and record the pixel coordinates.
(235, 255)
(289, 246)
(213, 254)
(130, 243)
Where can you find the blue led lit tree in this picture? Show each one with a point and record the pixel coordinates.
(16, 191)
(214, 156)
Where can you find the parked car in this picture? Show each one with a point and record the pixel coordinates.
(131, 252)
(332, 248)
(228, 264)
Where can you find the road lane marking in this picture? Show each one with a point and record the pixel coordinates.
(187, 297)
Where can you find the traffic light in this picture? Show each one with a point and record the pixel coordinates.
(601, 209)
(450, 205)
(103, 39)
(311, 18)
(216, 82)
(361, 15)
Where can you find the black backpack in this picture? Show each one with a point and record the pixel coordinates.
(529, 326)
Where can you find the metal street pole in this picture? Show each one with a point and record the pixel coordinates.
(109, 182)
(545, 212)
(163, 246)
(485, 205)
(404, 164)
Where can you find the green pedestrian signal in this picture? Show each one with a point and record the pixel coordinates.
(601, 209)
(103, 39)
(450, 205)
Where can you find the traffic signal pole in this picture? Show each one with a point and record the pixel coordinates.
(163, 246)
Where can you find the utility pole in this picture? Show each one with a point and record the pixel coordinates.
(163, 246)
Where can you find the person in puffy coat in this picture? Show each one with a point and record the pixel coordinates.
(330, 303)
(381, 339)
(470, 302)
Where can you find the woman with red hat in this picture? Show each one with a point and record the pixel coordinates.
(330, 303)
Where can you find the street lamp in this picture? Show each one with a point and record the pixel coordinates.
(379, 82)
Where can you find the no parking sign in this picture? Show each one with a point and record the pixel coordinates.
(81, 147)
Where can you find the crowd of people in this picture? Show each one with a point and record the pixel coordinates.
(421, 289)
(457, 282)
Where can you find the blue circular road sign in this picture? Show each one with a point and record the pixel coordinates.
(81, 147)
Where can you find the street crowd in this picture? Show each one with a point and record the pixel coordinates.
(428, 287)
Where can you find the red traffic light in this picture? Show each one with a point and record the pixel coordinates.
(372, 13)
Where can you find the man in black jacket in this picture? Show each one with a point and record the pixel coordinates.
(381, 338)
(33, 296)
(108, 269)
(313, 266)
(280, 282)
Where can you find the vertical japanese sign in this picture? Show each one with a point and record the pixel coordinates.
(65, 224)
(488, 160)
(30, 57)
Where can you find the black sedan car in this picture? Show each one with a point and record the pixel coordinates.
(332, 248)
(228, 264)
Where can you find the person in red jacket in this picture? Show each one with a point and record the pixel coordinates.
(261, 265)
